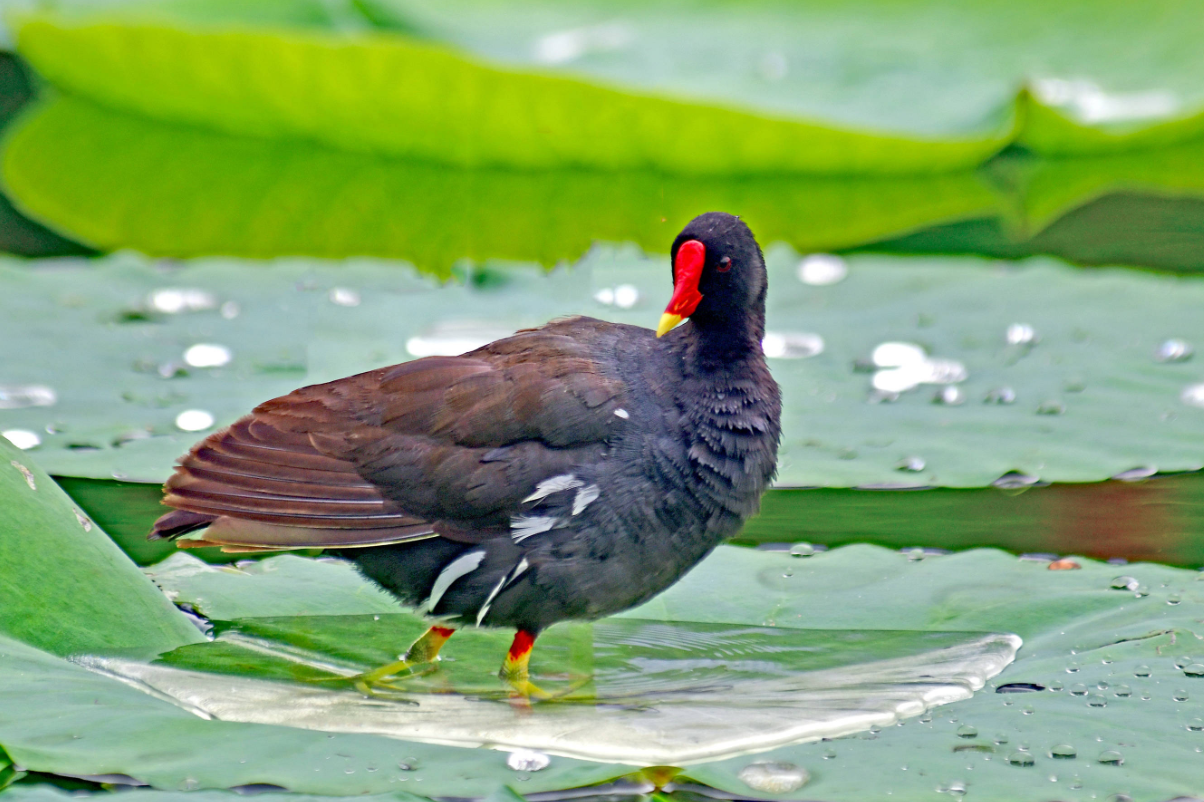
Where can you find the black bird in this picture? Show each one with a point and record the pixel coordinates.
(567, 472)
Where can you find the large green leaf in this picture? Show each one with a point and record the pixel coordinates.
(755, 86)
(1091, 399)
(348, 91)
(1085, 626)
(121, 181)
(67, 588)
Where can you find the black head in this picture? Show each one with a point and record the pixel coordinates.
(719, 279)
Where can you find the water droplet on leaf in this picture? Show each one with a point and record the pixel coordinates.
(16, 396)
(1110, 757)
(194, 420)
(527, 760)
(1063, 752)
(1021, 334)
(1020, 759)
(1173, 350)
(802, 550)
(22, 438)
(1124, 583)
(208, 355)
(822, 269)
(967, 731)
(773, 776)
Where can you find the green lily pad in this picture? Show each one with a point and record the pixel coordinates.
(1090, 399)
(1124, 638)
(41, 792)
(520, 119)
(66, 587)
(723, 89)
(119, 180)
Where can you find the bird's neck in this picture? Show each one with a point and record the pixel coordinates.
(724, 344)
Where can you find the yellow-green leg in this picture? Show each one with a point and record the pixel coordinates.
(423, 652)
(515, 671)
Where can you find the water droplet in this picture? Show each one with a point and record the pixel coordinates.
(1141, 671)
(773, 776)
(1000, 738)
(1193, 395)
(1136, 474)
(914, 555)
(897, 355)
(967, 731)
(1055, 686)
(1102, 685)
(194, 420)
(1021, 334)
(910, 464)
(1141, 591)
(626, 296)
(230, 310)
(527, 760)
(1182, 661)
(1123, 691)
(1110, 757)
(1014, 480)
(791, 345)
(16, 396)
(1063, 752)
(409, 764)
(1119, 797)
(1078, 689)
(174, 300)
(955, 788)
(926, 717)
(802, 550)
(829, 754)
(1097, 699)
(1020, 759)
(1124, 583)
(1194, 670)
(1174, 599)
(1173, 350)
(22, 438)
(208, 355)
(344, 296)
(822, 269)
(1027, 710)
(1196, 725)
(1073, 667)
(1180, 695)
(1051, 407)
(949, 396)
(1000, 395)
(789, 572)
(189, 784)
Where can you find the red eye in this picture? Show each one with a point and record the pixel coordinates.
(725, 264)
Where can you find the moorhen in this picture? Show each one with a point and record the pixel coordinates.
(567, 472)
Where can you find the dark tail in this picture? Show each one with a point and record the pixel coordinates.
(179, 522)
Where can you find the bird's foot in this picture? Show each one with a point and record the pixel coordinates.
(383, 680)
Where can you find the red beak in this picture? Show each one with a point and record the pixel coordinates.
(687, 270)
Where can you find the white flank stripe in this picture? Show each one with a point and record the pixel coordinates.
(622, 413)
(504, 582)
(522, 527)
(585, 496)
(554, 485)
(464, 564)
(489, 600)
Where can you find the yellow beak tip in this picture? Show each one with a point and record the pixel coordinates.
(667, 324)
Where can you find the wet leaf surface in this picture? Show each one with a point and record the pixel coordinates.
(1069, 620)
(1079, 396)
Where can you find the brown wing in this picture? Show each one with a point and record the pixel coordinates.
(441, 446)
